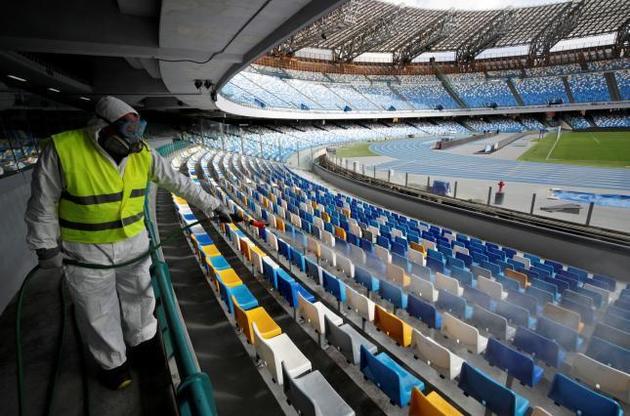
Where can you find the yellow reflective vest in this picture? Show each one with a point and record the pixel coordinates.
(98, 205)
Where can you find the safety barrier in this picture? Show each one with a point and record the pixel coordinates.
(194, 392)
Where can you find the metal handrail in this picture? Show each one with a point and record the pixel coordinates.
(194, 392)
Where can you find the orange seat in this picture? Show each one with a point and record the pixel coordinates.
(267, 327)
(393, 326)
(430, 405)
(418, 247)
(280, 224)
(521, 278)
(340, 232)
(244, 246)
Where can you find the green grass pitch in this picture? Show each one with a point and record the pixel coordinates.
(602, 149)
(355, 150)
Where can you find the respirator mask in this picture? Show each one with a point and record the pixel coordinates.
(123, 137)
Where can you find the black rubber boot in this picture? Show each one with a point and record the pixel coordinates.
(148, 354)
(116, 378)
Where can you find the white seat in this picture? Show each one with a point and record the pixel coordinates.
(415, 256)
(295, 220)
(397, 275)
(463, 333)
(257, 259)
(396, 232)
(274, 351)
(423, 288)
(428, 244)
(329, 255)
(313, 314)
(383, 254)
(318, 222)
(346, 265)
(460, 249)
(328, 238)
(272, 240)
(449, 284)
(491, 288)
(313, 246)
(355, 229)
(523, 260)
(358, 253)
(602, 377)
(606, 295)
(360, 304)
(435, 355)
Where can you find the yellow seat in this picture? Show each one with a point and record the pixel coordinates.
(521, 278)
(245, 249)
(431, 405)
(340, 232)
(229, 277)
(267, 327)
(418, 247)
(257, 250)
(210, 251)
(393, 326)
(280, 224)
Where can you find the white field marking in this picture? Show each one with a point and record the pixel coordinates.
(594, 138)
(553, 147)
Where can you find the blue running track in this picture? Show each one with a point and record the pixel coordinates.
(416, 156)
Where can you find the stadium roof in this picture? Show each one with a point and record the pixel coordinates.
(361, 26)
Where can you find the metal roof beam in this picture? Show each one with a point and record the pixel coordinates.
(486, 36)
(422, 40)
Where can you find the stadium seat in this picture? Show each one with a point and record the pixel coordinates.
(345, 265)
(289, 290)
(397, 275)
(521, 278)
(491, 322)
(441, 358)
(449, 284)
(393, 294)
(278, 350)
(463, 333)
(311, 395)
(543, 348)
(389, 376)
(430, 405)
(565, 336)
(602, 377)
(347, 340)
(245, 319)
(229, 278)
(423, 288)
(392, 326)
(360, 304)
(580, 399)
(515, 314)
(612, 335)
(517, 365)
(492, 395)
(454, 304)
(424, 311)
(609, 354)
(313, 314)
(241, 293)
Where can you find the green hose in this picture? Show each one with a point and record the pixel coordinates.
(18, 316)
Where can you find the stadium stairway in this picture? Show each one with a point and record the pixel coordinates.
(515, 92)
(567, 88)
(613, 88)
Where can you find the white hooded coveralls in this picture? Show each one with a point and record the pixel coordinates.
(113, 306)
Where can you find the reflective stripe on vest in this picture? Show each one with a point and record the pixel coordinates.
(98, 205)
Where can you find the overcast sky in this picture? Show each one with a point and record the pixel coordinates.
(470, 4)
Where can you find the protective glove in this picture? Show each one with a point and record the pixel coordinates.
(50, 258)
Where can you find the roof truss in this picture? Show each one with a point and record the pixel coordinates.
(424, 39)
(486, 36)
(558, 28)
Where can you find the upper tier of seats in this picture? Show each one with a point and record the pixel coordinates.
(266, 87)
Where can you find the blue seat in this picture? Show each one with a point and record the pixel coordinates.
(609, 354)
(565, 336)
(465, 258)
(617, 322)
(523, 300)
(612, 335)
(587, 313)
(203, 239)
(394, 380)
(580, 399)
(334, 286)
(518, 365)
(283, 248)
(549, 287)
(611, 284)
(454, 304)
(479, 297)
(514, 314)
(270, 273)
(480, 271)
(543, 348)
(398, 248)
(620, 312)
(424, 311)
(312, 269)
(581, 274)
(494, 268)
(495, 397)
(297, 258)
(218, 263)
(540, 294)
(436, 265)
(365, 279)
(393, 293)
(244, 297)
(464, 276)
(290, 289)
(452, 262)
(508, 283)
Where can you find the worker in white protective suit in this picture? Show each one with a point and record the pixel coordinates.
(87, 201)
